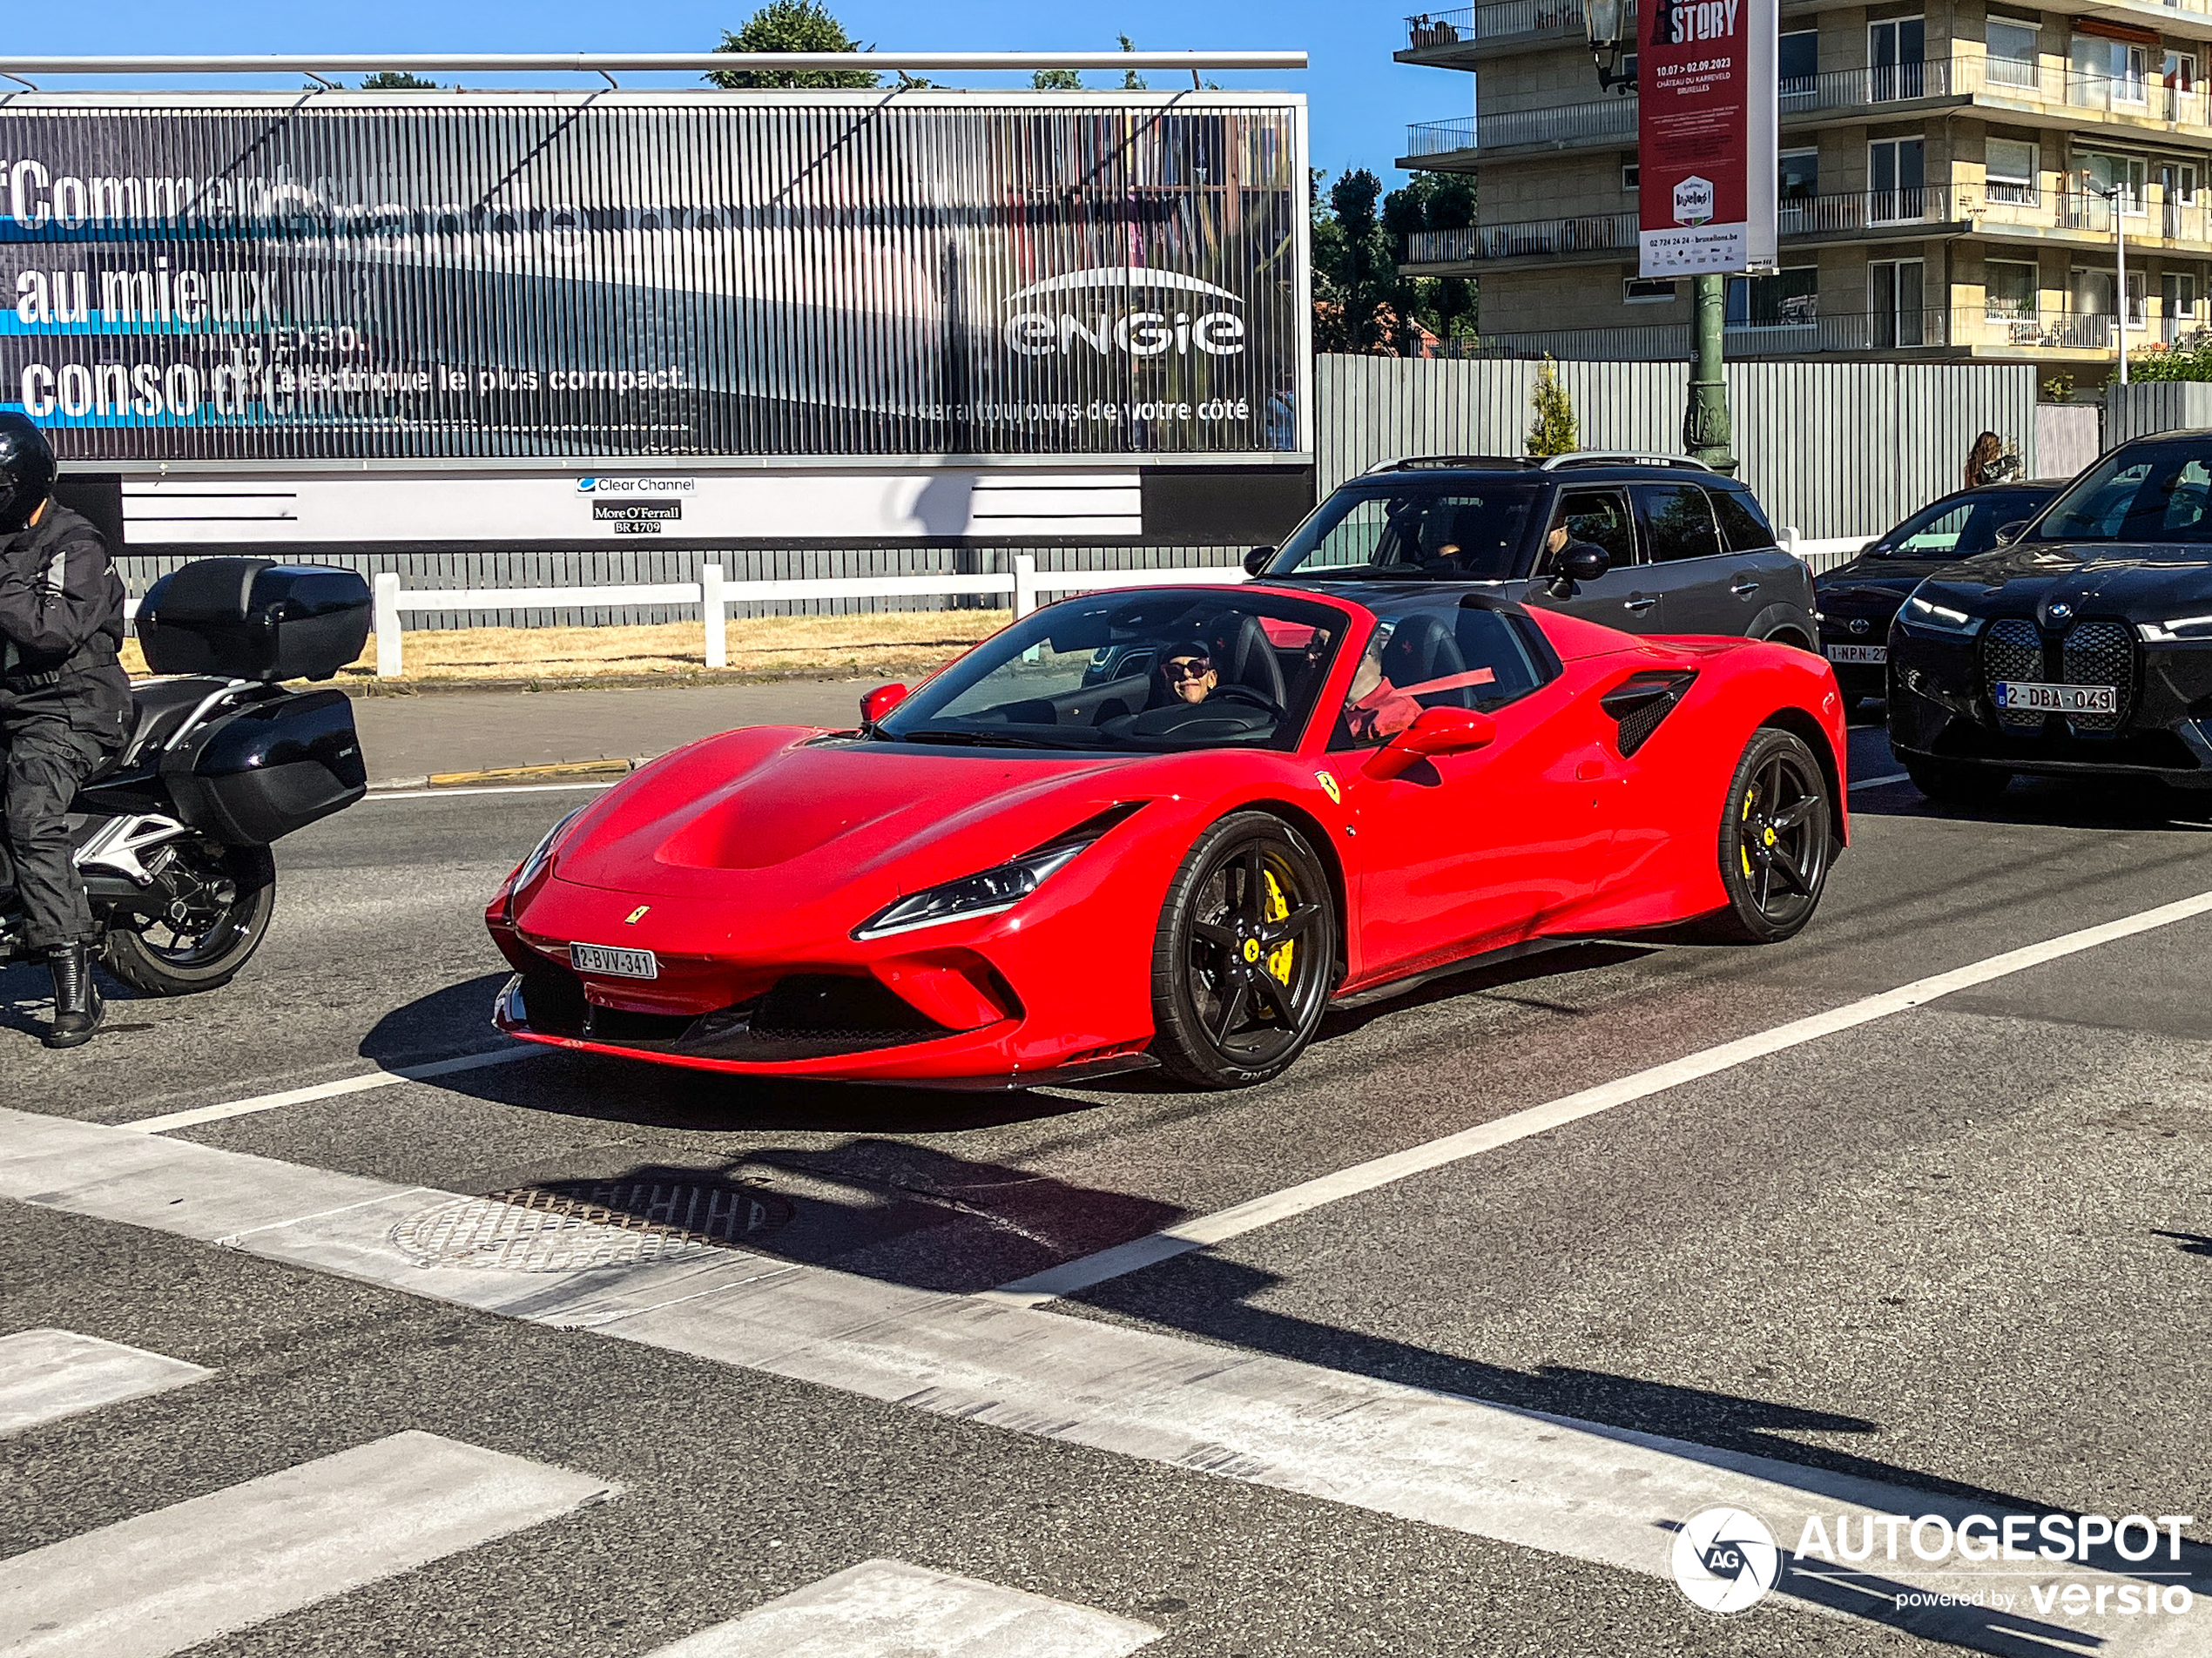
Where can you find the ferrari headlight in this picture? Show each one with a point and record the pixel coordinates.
(2180, 628)
(996, 889)
(1927, 613)
(544, 850)
(985, 894)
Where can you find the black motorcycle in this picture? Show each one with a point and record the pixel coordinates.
(173, 834)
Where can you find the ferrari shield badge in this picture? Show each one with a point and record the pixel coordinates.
(635, 915)
(1329, 787)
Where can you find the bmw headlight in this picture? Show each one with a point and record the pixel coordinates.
(992, 890)
(1926, 613)
(2181, 628)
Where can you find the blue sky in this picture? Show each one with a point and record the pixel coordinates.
(1361, 100)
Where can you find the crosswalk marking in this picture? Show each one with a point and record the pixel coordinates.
(48, 1374)
(890, 1609)
(170, 1579)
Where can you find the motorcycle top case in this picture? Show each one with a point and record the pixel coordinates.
(277, 765)
(252, 618)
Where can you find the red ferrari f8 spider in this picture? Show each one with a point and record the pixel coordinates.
(1170, 825)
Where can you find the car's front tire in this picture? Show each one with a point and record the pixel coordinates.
(1776, 841)
(1246, 955)
(1956, 783)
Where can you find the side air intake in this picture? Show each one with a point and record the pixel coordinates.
(1641, 701)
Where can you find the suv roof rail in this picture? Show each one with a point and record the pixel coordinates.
(1620, 457)
(1411, 462)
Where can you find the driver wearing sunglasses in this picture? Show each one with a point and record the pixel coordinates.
(1190, 673)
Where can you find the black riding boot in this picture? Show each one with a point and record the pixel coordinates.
(78, 1007)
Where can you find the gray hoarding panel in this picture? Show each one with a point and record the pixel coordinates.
(1834, 448)
(617, 275)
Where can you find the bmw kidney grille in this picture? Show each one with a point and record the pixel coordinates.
(2089, 653)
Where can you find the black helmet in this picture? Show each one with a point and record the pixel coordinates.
(26, 472)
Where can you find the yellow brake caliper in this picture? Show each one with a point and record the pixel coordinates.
(1278, 908)
(1742, 848)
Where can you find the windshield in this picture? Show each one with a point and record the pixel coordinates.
(1414, 527)
(2148, 492)
(1960, 528)
(1157, 671)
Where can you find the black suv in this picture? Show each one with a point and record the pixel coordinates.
(1643, 542)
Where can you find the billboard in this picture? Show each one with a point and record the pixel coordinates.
(407, 276)
(1706, 135)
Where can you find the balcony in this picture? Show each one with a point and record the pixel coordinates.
(2055, 92)
(1433, 36)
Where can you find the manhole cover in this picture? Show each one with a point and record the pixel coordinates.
(562, 1226)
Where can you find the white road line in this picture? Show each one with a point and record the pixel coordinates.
(1882, 782)
(343, 1086)
(186, 1573)
(1584, 1490)
(48, 1374)
(510, 788)
(1307, 1196)
(890, 1609)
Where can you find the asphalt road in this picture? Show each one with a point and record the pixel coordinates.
(1962, 1252)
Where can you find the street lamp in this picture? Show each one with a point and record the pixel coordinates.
(1604, 19)
(2120, 195)
(1705, 427)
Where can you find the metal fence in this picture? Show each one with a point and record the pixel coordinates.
(1835, 448)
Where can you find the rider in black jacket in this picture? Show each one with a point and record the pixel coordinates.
(64, 708)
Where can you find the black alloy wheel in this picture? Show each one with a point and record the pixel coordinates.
(209, 908)
(1245, 954)
(1776, 841)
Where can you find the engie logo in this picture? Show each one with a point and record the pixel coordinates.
(1087, 316)
(1725, 1559)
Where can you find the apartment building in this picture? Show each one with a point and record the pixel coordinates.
(1941, 186)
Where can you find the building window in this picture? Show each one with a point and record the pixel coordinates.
(1647, 290)
(2010, 166)
(2179, 72)
(2009, 291)
(1630, 172)
(2177, 297)
(1797, 60)
(2109, 72)
(1787, 298)
(2108, 173)
(2092, 292)
(1895, 174)
(1894, 316)
(1895, 49)
(2011, 48)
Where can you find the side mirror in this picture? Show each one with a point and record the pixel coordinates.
(1435, 732)
(1583, 563)
(880, 701)
(1257, 560)
(2007, 534)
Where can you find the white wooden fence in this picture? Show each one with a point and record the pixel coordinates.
(713, 597)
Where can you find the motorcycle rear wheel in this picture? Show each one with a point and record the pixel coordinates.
(224, 898)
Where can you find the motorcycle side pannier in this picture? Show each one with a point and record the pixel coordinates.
(252, 618)
(276, 765)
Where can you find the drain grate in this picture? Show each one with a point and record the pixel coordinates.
(563, 1226)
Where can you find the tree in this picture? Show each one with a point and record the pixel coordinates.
(791, 26)
(1431, 201)
(1057, 80)
(396, 80)
(1556, 431)
(1357, 274)
(1132, 81)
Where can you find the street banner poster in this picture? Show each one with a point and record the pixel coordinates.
(403, 276)
(1706, 137)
